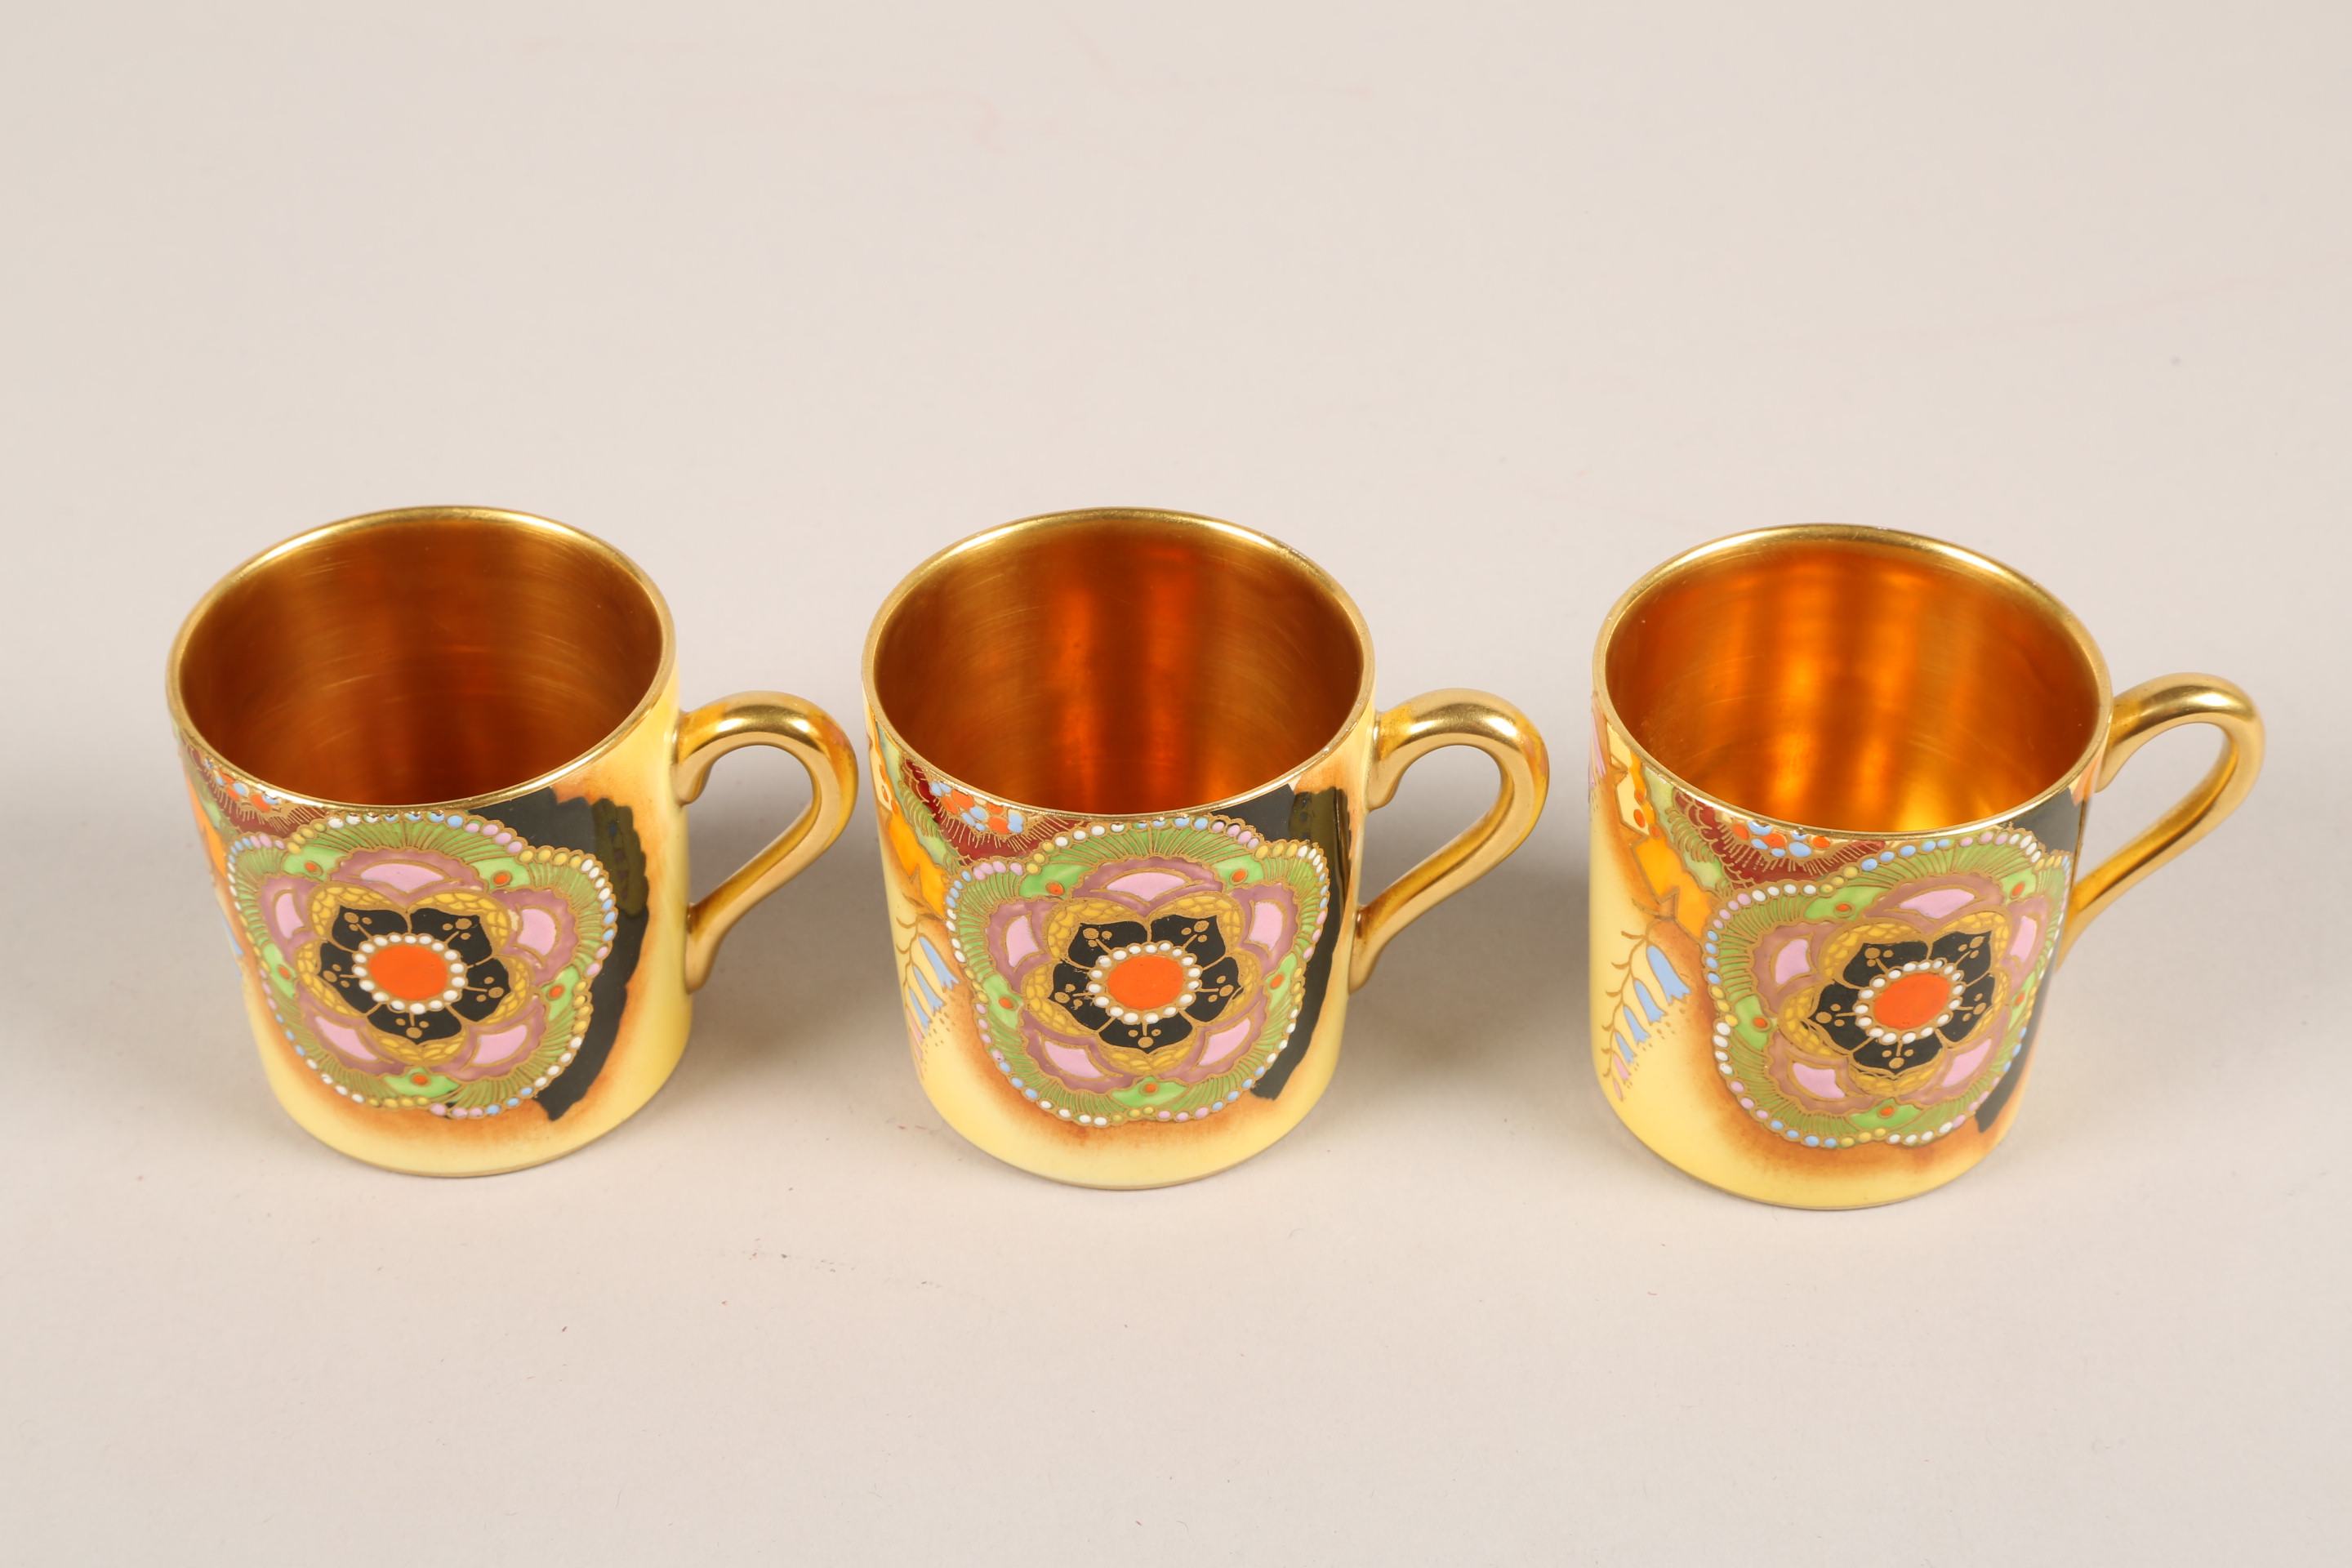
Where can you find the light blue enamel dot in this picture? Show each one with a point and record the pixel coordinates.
(1031, 1093)
(1909, 849)
(1871, 864)
(1776, 1127)
(1812, 1143)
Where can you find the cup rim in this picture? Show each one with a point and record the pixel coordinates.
(1945, 552)
(497, 516)
(1184, 522)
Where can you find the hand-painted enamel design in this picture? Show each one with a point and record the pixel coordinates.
(422, 959)
(233, 805)
(1853, 991)
(1884, 1003)
(918, 862)
(431, 960)
(973, 824)
(1149, 970)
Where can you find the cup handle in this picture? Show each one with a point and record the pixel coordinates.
(762, 719)
(2140, 715)
(1409, 731)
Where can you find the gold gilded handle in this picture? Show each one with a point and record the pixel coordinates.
(2140, 715)
(1409, 731)
(762, 719)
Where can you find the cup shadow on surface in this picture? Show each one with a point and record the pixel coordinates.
(1487, 988)
(804, 988)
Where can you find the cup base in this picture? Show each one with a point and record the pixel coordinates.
(414, 1143)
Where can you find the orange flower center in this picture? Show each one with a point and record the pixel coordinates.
(411, 974)
(1146, 981)
(1913, 1002)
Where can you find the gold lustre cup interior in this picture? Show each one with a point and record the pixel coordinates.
(1110, 662)
(1854, 680)
(434, 655)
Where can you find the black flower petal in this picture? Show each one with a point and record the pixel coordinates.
(1975, 1003)
(351, 927)
(1070, 991)
(438, 1024)
(1094, 942)
(462, 934)
(1220, 983)
(1196, 934)
(1968, 951)
(1152, 1037)
(1834, 1013)
(1877, 958)
(486, 988)
(1894, 1056)
(340, 969)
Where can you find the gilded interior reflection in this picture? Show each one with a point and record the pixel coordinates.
(420, 657)
(1115, 662)
(1860, 685)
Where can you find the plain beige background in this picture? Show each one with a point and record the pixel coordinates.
(1486, 308)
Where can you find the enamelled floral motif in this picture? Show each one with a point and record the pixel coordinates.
(425, 959)
(1883, 1004)
(1113, 973)
(1140, 971)
(1853, 991)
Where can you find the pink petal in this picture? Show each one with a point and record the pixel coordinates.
(1221, 1046)
(1822, 1083)
(349, 1044)
(1940, 901)
(1794, 958)
(1147, 885)
(1964, 1066)
(1067, 1062)
(407, 876)
(498, 1050)
(1020, 942)
(2029, 931)
(538, 930)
